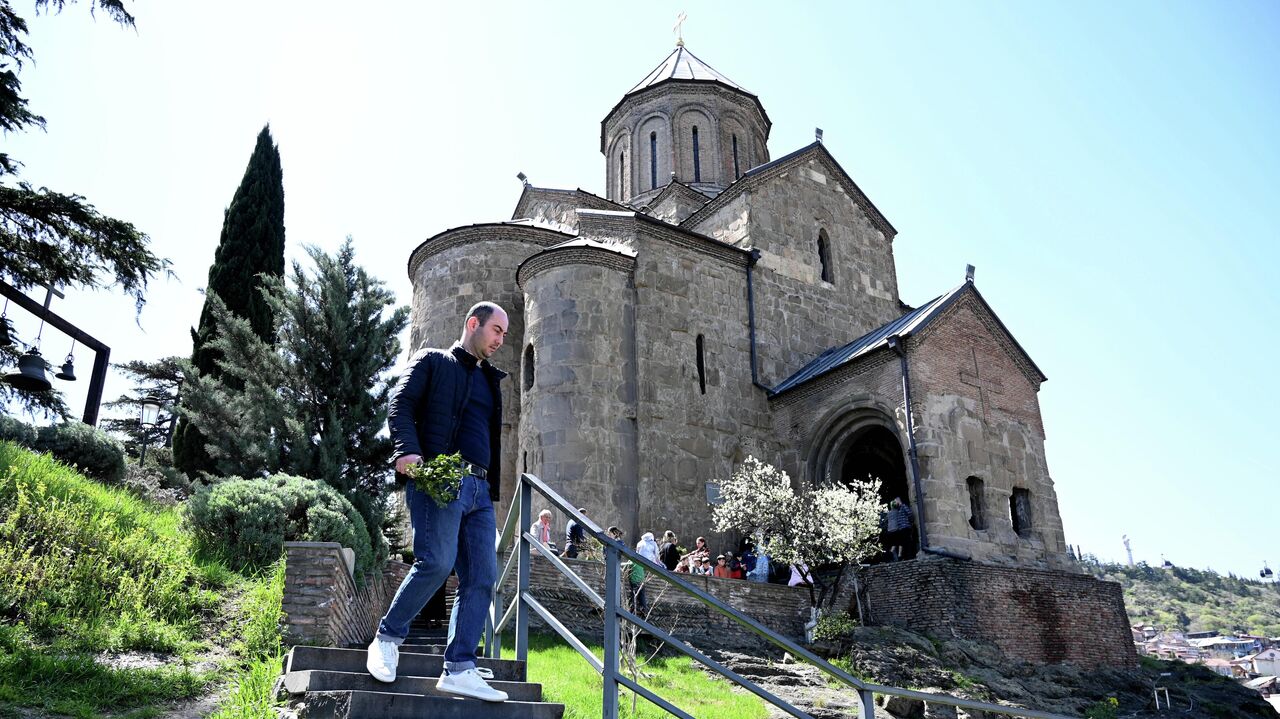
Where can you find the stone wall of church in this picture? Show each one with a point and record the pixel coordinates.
(799, 315)
(1040, 616)
(458, 268)
(693, 429)
(578, 418)
(993, 434)
(818, 420)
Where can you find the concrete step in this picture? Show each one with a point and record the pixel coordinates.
(303, 658)
(317, 680)
(381, 705)
(418, 648)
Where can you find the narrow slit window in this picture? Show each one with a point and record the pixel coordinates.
(622, 176)
(977, 512)
(653, 160)
(528, 367)
(824, 256)
(737, 172)
(1020, 510)
(702, 365)
(697, 159)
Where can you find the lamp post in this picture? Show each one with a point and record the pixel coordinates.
(150, 417)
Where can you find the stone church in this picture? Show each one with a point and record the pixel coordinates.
(718, 302)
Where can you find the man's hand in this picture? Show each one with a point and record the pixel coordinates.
(403, 462)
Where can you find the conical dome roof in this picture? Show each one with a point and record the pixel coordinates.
(683, 65)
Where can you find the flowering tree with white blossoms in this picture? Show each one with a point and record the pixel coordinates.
(817, 525)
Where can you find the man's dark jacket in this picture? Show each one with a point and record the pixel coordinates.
(427, 403)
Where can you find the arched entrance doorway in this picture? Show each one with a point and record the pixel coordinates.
(875, 453)
(858, 441)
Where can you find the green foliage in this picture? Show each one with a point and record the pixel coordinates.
(249, 520)
(1185, 599)
(15, 430)
(250, 252)
(440, 478)
(161, 379)
(92, 451)
(78, 686)
(837, 625)
(1108, 708)
(91, 566)
(95, 452)
(567, 679)
(252, 695)
(314, 404)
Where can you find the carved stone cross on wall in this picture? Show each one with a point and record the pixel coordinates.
(986, 385)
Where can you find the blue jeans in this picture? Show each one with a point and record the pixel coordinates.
(461, 538)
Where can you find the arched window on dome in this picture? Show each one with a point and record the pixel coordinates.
(737, 172)
(697, 160)
(699, 347)
(653, 161)
(824, 256)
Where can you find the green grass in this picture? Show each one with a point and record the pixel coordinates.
(566, 678)
(260, 651)
(89, 569)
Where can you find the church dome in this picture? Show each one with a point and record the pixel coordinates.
(684, 121)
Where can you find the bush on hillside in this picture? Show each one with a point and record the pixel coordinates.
(94, 452)
(249, 520)
(15, 430)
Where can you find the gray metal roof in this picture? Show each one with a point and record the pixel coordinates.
(871, 341)
(683, 65)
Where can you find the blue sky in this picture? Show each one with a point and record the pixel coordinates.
(1110, 168)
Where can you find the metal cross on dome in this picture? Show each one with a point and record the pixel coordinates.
(678, 30)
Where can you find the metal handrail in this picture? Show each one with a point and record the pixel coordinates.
(519, 514)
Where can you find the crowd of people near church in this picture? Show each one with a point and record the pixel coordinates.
(747, 563)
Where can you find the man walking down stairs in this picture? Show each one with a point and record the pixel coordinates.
(329, 683)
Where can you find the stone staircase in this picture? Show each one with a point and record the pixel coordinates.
(329, 683)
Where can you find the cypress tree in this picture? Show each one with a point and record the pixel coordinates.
(252, 244)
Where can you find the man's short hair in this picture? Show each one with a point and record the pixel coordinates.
(545, 513)
(482, 311)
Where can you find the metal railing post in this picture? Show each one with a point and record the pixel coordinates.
(612, 650)
(868, 699)
(522, 573)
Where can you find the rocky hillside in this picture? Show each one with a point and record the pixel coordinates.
(895, 657)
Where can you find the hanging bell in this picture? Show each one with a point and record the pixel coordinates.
(68, 371)
(6, 331)
(30, 375)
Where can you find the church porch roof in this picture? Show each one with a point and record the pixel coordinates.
(906, 325)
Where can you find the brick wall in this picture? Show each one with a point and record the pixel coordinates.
(1042, 616)
(780, 608)
(322, 604)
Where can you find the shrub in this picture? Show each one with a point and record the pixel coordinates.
(834, 626)
(15, 430)
(249, 520)
(94, 452)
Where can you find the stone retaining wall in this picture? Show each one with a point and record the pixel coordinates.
(1042, 616)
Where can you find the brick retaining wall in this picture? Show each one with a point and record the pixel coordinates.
(322, 604)
(1042, 616)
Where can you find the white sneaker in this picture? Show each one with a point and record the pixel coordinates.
(469, 683)
(382, 661)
